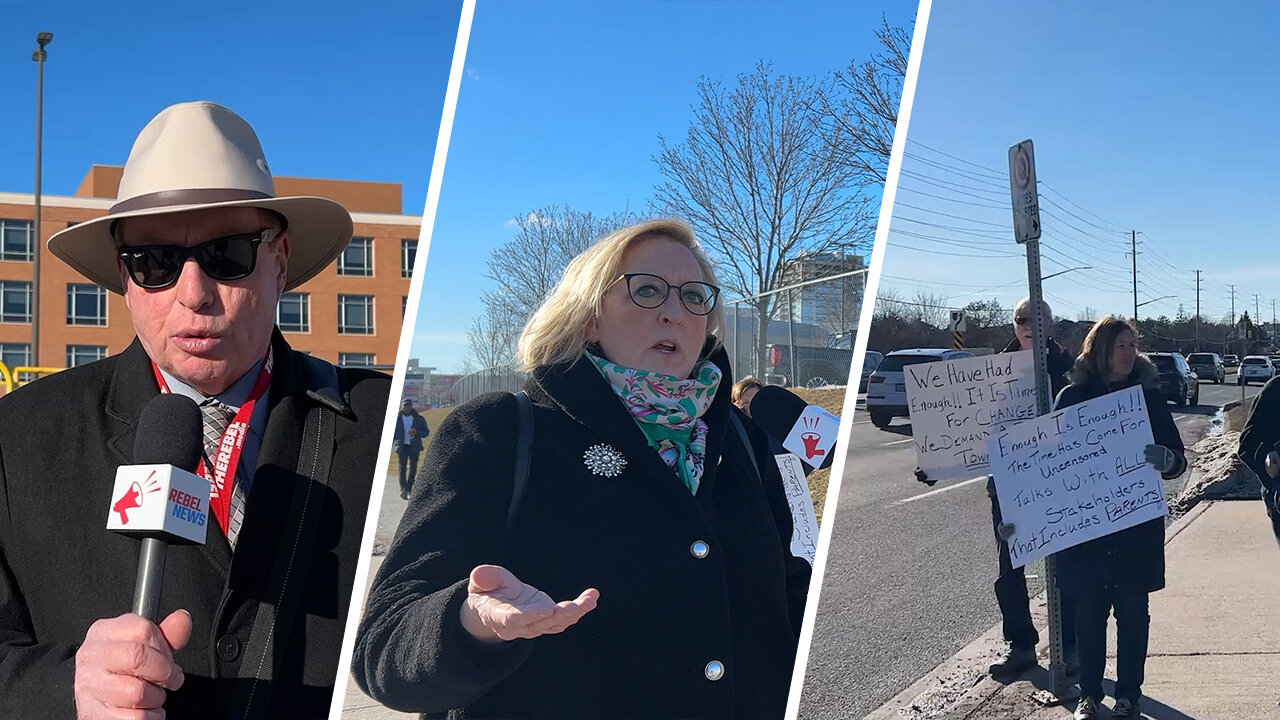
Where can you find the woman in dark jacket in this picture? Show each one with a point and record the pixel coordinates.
(1120, 570)
(652, 513)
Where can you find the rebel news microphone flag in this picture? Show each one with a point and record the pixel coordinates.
(159, 498)
(808, 431)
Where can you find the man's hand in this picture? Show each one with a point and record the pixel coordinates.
(924, 478)
(125, 664)
(1005, 531)
(1161, 458)
(499, 607)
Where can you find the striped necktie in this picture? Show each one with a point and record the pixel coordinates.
(217, 417)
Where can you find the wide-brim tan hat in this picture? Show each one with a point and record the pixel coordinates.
(196, 156)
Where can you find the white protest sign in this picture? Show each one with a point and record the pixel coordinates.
(804, 538)
(813, 436)
(1076, 474)
(955, 405)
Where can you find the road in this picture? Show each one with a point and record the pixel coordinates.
(910, 569)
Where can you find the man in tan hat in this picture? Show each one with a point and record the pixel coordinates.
(252, 621)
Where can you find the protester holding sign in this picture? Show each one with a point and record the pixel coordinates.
(1259, 442)
(1118, 571)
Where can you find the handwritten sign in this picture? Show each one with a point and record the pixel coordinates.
(804, 537)
(955, 405)
(1076, 474)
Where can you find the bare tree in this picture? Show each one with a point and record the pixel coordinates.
(525, 270)
(888, 305)
(931, 309)
(763, 178)
(1088, 314)
(863, 102)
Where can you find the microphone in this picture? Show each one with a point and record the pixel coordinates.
(159, 498)
(808, 431)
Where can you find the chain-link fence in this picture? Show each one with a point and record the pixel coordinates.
(494, 379)
(808, 338)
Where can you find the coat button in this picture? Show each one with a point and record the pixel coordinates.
(228, 648)
(714, 670)
(699, 549)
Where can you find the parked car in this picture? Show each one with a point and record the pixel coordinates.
(1177, 382)
(870, 362)
(887, 388)
(1208, 366)
(817, 366)
(1231, 360)
(1255, 367)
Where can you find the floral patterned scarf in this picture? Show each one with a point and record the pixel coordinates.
(669, 411)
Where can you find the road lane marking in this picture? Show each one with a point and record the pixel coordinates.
(939, 491)
(896, 442)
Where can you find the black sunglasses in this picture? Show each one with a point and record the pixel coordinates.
(224, 259)
(650, 291)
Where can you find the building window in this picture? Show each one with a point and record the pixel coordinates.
(355, 314)
(408, 251)
(355, 359)
(15, 354)
(357, 259)
(82, 354)
(293, 314)
(86, 305)
(15, 301)
(15, 241)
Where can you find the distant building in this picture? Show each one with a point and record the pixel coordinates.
(349, 314)
(833, 305)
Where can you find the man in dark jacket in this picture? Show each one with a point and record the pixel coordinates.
(1011, 585)
(410, 429)
(252, 620)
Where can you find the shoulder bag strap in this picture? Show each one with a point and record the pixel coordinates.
(524, 454)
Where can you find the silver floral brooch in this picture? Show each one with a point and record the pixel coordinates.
(604, 460)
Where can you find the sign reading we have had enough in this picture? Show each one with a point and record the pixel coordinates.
(956, 404)
(1076, 474)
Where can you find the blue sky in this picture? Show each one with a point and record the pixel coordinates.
(349, 90)
(1154, 116)
(563, 102)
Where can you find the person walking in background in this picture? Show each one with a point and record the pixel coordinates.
(647, 499)
(411, 428)
(1118, 571)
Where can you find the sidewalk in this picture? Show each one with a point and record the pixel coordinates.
(1213, 652)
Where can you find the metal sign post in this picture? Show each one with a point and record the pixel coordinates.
(1026, 229)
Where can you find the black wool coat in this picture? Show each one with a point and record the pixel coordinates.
(1261, 433)
(61, 439)
(1132, 559)
(663, 613)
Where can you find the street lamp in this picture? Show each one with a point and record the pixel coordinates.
(1135, 307)
(1064, 272)
(42, 39)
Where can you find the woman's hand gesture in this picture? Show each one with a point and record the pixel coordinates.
(500, 607)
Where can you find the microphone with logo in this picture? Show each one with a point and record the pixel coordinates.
(159, 498)
(808, 431)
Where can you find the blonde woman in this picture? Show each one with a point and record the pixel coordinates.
(646, 571)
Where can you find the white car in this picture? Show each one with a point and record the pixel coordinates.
(1255, 367)
(887, 389)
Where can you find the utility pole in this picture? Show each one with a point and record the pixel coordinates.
(1134, 242)
(1198, 310)
(1256, 312)
(1234, 330)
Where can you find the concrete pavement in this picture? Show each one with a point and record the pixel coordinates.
(1214, 651)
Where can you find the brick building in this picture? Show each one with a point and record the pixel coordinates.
(349, 314)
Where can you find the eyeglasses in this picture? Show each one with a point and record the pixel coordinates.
(650, 291)
(224, 259)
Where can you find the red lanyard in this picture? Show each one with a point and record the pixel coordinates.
(228, 455)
